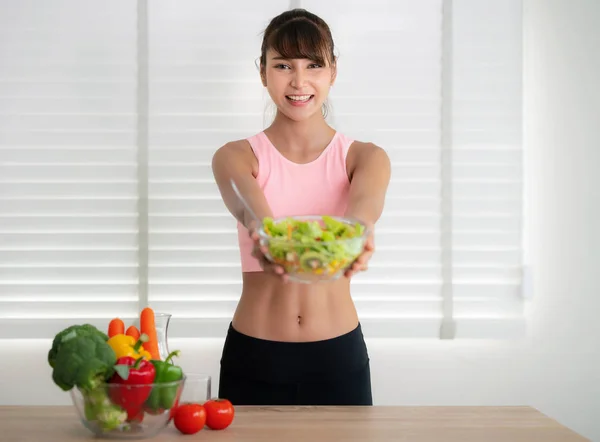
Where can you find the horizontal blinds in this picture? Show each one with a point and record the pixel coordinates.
(205, 90)
(68, 215)
(194, 260)
(388, 91)
(203, 95)
(69, 239)
(487, 162)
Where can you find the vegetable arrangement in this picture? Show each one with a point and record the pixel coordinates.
(121, 376)
(124, 339)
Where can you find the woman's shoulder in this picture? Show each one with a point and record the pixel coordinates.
(366, 152)
(365, 148)
(355, 146)
(235, 148)
(236, 151)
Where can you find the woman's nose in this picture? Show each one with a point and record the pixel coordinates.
(298, 78)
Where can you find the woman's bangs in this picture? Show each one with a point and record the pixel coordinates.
(301, 39)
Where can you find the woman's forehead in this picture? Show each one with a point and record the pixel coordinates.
(274, 55)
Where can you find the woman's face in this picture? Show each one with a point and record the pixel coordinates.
(299, 87)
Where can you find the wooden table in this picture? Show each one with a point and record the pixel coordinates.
(316, 424)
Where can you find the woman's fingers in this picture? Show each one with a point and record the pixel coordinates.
(259, 252)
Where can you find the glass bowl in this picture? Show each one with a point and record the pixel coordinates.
(198, 388)
(102, 411)
(308, 258)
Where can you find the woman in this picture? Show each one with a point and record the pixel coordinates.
(291, 343)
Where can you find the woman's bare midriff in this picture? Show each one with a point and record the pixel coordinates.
(291, 312)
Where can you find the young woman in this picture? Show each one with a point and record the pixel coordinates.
(292, 343)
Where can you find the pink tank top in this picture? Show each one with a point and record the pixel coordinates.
(317, 188)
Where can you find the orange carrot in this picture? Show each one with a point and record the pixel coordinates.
(148, 327)
(115, 327)
(133, 332)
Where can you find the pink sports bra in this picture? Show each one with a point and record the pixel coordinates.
(317, 188)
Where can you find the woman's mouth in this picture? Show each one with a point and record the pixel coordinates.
(299, 100)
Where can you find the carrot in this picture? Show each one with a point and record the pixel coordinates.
(148, 327)
(133, 332)
(116, 327)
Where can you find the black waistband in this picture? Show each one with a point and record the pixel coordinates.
(276, 361)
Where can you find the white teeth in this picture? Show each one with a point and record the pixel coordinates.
(299, 97)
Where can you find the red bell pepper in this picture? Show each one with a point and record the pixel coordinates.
(132, 384)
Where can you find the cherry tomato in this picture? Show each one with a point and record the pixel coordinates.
(189, 418)
(219, 413)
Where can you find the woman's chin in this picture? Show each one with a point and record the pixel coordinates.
(300, 114)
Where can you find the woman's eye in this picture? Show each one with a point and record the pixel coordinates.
(281, 66)
(315, 65)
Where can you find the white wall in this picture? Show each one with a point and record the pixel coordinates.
(558, 370)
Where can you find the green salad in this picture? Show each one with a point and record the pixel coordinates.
(321, 246)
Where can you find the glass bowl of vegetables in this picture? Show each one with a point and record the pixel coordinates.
(313, 248)
(127, 411)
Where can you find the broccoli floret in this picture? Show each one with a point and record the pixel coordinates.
(83, 359)
(70, 333)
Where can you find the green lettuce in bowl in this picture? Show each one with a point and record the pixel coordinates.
(313, 248)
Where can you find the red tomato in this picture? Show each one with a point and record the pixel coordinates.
(190, 418)
(219, 413)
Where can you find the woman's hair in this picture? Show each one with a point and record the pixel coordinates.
(297, 33)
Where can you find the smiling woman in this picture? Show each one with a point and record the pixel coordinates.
(291, 343)
(296, 51)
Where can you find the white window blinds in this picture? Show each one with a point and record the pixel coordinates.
(436, 84)
(388, 91)
(486, 166)
(68, 185)
(204, 91)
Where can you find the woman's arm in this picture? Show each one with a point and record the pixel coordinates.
(369, 180)
(236, 161)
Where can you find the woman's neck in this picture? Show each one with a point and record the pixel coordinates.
(309, 135)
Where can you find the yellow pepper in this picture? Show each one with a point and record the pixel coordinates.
(124, 345)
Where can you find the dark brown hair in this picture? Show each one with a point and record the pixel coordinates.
(298, 33)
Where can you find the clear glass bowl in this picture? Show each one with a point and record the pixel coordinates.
(305, 265)
(101, 412)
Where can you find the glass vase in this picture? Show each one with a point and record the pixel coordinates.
(162, 329)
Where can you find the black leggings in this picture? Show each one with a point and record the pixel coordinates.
(262, 372)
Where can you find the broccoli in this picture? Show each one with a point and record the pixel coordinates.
(99, 408)
(84, 361)
(70, 333)
(82, 358)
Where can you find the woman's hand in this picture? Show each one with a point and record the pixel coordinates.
(361, 264)
(259, 252)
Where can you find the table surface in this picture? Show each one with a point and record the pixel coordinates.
(292, 424)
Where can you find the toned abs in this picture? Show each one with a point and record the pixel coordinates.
(274, 310)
